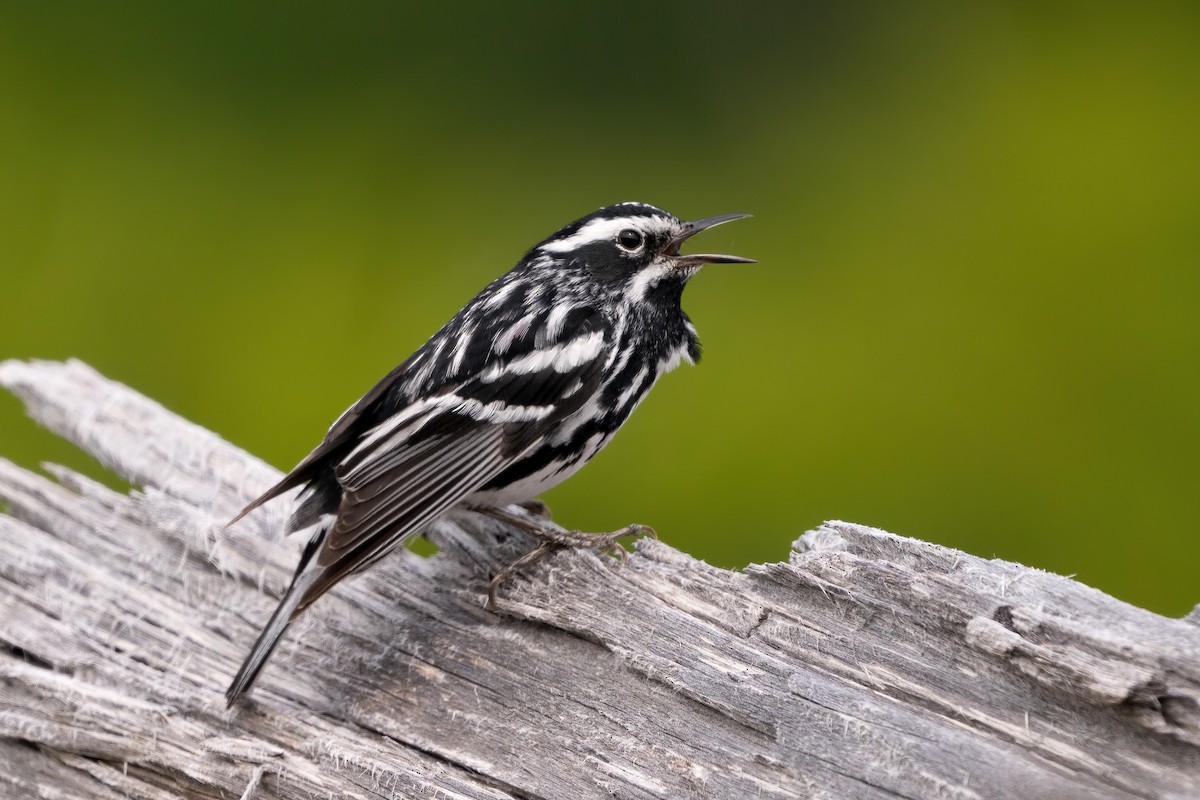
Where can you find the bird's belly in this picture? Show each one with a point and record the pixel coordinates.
(542, 480)
(571, 458)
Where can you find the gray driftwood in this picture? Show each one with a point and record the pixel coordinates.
(865, 665)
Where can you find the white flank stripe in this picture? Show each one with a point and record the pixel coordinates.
(560, 358)
(565, 430)
(385, 456)
(556, 320)
(460, 348)
(505, 340)
(634, 385)
(497, 300)
(387, 427)
(618, 356)
(422, 375)
(573, 388)
(496, 411)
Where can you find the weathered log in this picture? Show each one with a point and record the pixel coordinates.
(865, 666)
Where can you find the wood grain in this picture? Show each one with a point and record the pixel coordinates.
(865, 665)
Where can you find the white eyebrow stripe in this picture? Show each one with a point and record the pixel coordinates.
(601, 230)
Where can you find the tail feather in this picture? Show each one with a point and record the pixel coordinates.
(289, 482)
(289, 608)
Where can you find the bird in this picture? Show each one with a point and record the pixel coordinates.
(521, 388)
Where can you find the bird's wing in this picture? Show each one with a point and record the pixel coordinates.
(416, 464)
(340, 433)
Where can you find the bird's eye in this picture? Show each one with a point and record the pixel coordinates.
(630, 240)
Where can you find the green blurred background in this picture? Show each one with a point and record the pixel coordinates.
(974, 320)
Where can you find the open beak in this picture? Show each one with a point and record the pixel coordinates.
(690, 229)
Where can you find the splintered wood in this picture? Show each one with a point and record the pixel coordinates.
(866, 665)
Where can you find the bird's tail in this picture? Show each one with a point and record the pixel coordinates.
(289, 607)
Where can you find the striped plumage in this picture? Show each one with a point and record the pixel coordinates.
(513, 395)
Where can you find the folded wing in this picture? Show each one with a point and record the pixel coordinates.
(414, 466)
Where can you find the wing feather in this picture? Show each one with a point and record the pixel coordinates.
(396, 481)
(397, 503)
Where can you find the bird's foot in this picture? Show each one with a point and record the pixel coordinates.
(554, 538)
(602, 542)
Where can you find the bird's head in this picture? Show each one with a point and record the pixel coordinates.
(633, 249)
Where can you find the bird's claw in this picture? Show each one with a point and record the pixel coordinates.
(611, 542)
(534, 555)
(553, 539)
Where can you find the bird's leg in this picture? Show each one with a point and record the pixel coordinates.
(553, 538)
(533, 556)
(537, 508)
(560, 537)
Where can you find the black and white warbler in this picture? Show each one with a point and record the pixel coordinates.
(513, 395)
